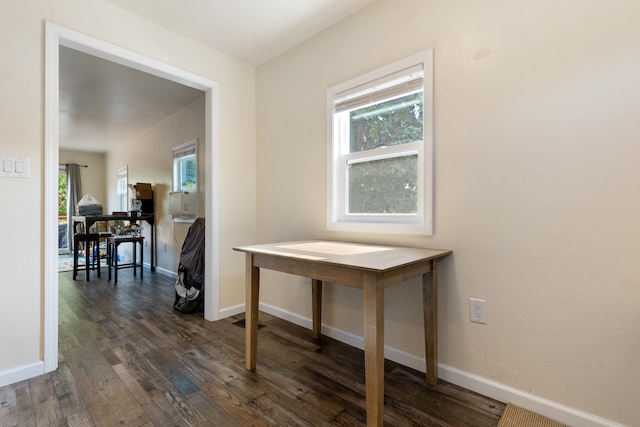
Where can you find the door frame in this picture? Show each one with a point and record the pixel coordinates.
(56, 36)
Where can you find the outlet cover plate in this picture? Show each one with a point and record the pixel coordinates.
(478, 310)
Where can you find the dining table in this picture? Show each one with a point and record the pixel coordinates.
(133, 217)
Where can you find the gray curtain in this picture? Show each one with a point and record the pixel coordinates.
(74, 194)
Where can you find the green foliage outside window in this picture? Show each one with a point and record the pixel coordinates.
(388, 185)
(384, 186)
(386, 124)
(188, 173)
(62, 195)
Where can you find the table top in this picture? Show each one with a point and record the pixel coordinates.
(125, 237)
(377, 258)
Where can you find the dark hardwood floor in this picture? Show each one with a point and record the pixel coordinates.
(128, 359)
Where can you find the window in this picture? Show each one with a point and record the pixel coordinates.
(185, 167)
(63, 244)
(380, 149)
(121, 189)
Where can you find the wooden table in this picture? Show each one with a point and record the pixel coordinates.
(368, 267)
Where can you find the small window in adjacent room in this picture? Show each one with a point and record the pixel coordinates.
(185, 167)
(380, 129)
(121, 189)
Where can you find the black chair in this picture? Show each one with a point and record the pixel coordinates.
(90, 242)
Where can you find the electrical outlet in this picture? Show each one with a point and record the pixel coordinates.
(478, 310)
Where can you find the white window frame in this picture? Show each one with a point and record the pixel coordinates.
(180, 153)
(122, 189)
(338, 219)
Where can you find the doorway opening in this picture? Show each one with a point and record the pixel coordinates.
(55, 37)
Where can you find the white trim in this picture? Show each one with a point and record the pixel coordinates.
(167, 273)
(184, 220)
(51, 160)
(478, 384)
(179, 150)
(548, 408)
(212, 203)
(55, 36)
(231, 311)
(22, 373)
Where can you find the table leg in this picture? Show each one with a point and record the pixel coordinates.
(135, 261)
(316, 297)
(252, 298)
(75, 259)
(109, 257)
(153, 247)
(141, 258)
(373, 301)
(97, 248)
(87, 257)
(430, 308)
(115, 268)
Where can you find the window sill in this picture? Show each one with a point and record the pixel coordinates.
(184, 220)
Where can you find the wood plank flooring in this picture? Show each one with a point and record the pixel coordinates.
(128, 359)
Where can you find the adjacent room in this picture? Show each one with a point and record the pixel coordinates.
(126, 129)
(417, 212)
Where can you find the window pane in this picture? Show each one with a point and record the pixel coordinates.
(62, 211)
(394, 122)
(62, 194)
(387, 186)
(188, 173)
(121, 193)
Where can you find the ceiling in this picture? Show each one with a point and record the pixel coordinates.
(102, 102)
(254, 31)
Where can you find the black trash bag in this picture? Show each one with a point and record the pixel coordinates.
(189, 285)
(188, 300)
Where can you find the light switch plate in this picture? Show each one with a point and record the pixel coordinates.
(14, 167)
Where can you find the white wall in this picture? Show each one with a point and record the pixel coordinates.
(536, 184)
(21, 134)
(92, 177)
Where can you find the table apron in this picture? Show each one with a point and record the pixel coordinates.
(342, 275)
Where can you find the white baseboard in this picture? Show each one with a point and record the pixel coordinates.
(22, 373)
(504, 393)
(231, 311)
(484, 386)
(163, 271)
